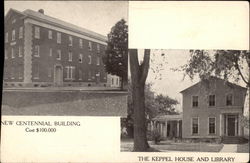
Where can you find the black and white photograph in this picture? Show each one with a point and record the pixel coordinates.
(62, 58)
(187, 100)
(125, 81)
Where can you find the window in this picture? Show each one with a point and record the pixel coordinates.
(80, 74)
(98, 48)
(13, 21)
(211, 100)
(80, 43)
(36, 71)
(50, 52)
(13, 35)
(37, 32)
(195, 125)
(229, 100)
(50, 34)
(117, 81)
(58, 56)
(211, 125)
(20, 51)
(37, 51)
(98, 61)
(12, 53)
(80, 58)
(20, 73)
(112, 81)
(20, 32)
(58, 38)
(6, 37)
(70, 41)
(12, 72)
(90, 46)
(195, 101)
(5, 54)
(89, 59)
(70, 56)
(89, 75)
(49, 72)
(70, 72)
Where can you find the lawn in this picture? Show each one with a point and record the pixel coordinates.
(172, 146)
(243, 148)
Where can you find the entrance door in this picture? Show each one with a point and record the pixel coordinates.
(58, 75)
(231, 126)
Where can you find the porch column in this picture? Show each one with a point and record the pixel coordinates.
(166, 128)
(221, 125)
(161, 127)
(235, 126)
(177, 133)
(240, 127)
(152, 125)
(226, 126)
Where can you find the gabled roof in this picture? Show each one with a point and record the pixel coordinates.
(215, 79)
(56, 22)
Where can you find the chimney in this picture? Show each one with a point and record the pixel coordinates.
(41, 11)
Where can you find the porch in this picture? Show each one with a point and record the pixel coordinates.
(168, 126)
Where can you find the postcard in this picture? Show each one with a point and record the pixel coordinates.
(125, 81)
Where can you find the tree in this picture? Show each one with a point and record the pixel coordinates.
(139, 73)
(116, 55)
(165, 104)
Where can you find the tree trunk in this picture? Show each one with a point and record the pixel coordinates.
(138, 76)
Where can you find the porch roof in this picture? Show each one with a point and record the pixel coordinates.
(164, 118)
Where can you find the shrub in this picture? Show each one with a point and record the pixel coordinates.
(156, 136)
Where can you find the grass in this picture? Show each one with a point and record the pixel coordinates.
(243, 148)
(172, 146)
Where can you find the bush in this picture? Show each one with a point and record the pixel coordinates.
(156, 136)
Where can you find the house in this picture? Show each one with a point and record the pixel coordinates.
(213, 108)
(42, 50)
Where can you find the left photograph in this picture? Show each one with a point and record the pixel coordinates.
(65, 58)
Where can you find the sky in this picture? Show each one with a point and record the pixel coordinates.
(98, 16)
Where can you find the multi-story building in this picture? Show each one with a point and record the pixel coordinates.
(42, 50)
(212, 109)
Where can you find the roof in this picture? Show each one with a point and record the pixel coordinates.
(217, 79)
(56, 22)
(168, 117)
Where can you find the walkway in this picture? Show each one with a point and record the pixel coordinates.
(229, 148)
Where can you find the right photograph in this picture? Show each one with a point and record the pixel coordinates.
(193, 100)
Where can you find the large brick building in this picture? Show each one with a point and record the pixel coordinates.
(41, 50)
